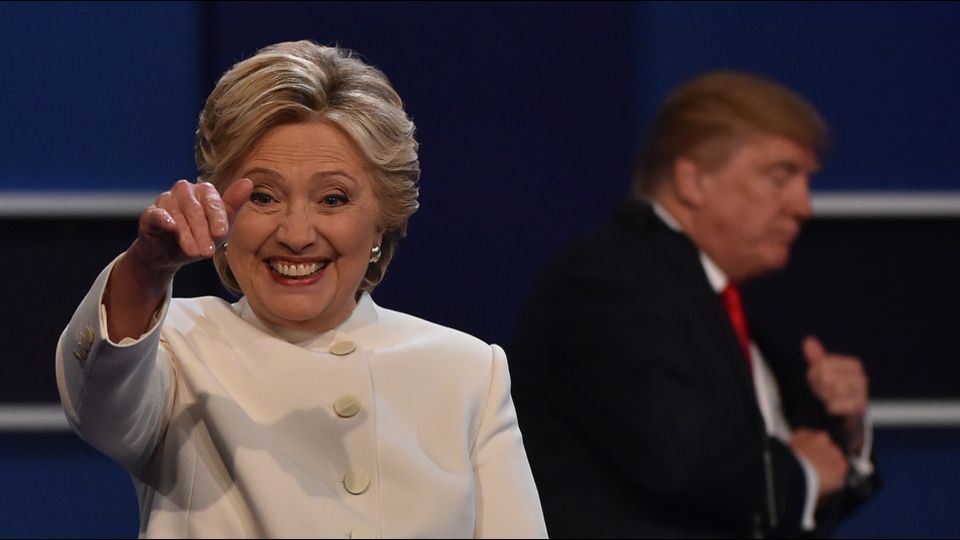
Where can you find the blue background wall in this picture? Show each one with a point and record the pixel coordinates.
(529, 115)
(884, 74)
(106, 94)
(98, 96)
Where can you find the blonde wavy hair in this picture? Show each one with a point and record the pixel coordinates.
(302, 81)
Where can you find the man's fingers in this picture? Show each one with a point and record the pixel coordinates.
(824, 455)
(838, 370)
(839, 381)
(840, 384)
(847, 407)
(813, 349)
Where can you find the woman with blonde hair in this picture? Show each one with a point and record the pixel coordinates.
(304, 409)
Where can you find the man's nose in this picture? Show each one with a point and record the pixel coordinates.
(799, 201)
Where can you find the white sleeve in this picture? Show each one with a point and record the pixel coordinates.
(117, 397)
(861, 463)
(508, 505)
(808, 520)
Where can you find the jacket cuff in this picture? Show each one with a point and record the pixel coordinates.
(85, 353)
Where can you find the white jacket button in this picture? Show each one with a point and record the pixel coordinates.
(84, 343)
(347, 406)
(356, 481)
(343, 348)
(362, 532)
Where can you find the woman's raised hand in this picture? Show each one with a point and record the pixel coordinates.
(181, 226)
(186, 224)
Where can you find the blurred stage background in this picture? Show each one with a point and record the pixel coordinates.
(529, 117)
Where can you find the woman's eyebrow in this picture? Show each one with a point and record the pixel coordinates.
(334, 172)
(323, 176)
(264, 172)
(270, 176)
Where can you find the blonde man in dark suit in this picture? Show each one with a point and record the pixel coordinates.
(649, 408)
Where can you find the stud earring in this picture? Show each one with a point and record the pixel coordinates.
(375, 254)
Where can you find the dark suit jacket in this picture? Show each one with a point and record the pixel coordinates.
(638, 413)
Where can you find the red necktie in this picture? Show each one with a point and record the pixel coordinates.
(731, 300)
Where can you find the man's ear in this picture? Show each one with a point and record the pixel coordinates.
(688, 181)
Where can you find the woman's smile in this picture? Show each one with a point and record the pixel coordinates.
(296, 272)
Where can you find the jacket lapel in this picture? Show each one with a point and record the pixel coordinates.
(705, 315)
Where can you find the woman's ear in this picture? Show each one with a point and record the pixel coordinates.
(688, 181)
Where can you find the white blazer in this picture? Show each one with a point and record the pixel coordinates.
(387, 426)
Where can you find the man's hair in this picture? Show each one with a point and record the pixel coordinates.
(708, 117)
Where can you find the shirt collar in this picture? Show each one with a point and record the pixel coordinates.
(718, 280)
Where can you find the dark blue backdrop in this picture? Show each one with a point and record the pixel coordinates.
(884, 74)
(529, 115)
(98, 96)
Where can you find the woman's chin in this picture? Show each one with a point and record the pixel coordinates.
(296, 316)
(305, 313)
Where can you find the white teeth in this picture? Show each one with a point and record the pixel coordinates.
(296, 270)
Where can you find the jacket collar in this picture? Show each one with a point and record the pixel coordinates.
(717, 278)
(365, 314)
(695, 289)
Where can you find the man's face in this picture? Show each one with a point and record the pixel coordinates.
(754, 204)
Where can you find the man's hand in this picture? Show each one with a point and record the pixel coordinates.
(840, 383)
(827, 459)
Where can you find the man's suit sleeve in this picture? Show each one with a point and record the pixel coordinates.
(802, 409)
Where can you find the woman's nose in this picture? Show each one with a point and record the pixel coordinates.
(296, 231)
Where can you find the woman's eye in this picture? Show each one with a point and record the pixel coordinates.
(261, 198)
(335, 200)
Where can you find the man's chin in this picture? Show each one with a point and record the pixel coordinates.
(776, 261)
(768, 264)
